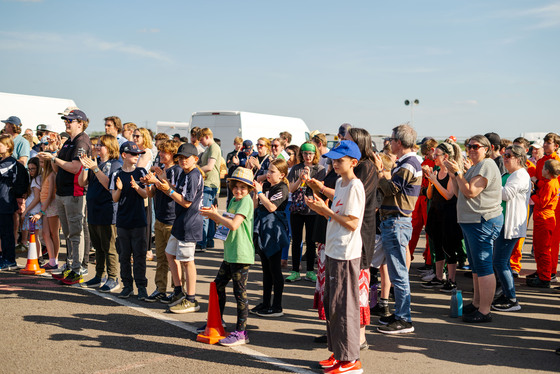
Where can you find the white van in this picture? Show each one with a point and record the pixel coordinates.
(172, 128)
(226, 125)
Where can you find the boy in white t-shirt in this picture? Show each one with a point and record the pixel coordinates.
(343, 250)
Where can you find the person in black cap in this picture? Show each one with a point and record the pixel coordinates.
(69, 194)
(495, 142)
(129, 193)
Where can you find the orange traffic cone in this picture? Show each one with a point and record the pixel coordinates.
(32, 267)
(214, 331)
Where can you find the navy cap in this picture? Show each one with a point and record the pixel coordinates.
(187, 150)
(344, 148)
(75, 114)
(13, 120)
(343, 129)
(247, 144)
(132, 148)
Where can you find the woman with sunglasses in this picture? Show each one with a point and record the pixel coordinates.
(260, 163)
(479, 213)
(516, 194)
(143, 140)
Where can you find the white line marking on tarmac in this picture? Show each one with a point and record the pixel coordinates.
(185, 326)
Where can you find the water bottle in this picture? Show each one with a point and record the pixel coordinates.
(373, 296)
(456, 309)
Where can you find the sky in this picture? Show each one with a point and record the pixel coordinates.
(475, 66)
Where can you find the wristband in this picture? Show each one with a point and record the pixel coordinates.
(86, 169)
(457, 173)
(43, 213)
(170, 192)
(258, 193)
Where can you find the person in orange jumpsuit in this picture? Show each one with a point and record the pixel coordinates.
(420, 213)
(544, 223)
(516, 254)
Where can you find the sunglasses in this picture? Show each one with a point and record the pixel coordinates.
(508, 155)
(474, 147)
(275, 145)
(136, 136)
(260, 145)
(69, 120)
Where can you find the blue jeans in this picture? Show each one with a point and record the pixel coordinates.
(395, 234)
(208, 196)
(502, 266)
(479, 240)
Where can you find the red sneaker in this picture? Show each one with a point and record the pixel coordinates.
(346, 367)
(328, 363)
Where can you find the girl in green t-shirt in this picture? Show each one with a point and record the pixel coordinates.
(239, 253)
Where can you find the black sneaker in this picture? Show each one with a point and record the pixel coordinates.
(449, 286)
(425, 268)
(477, 317)
(270, 312)
(142, 293)
(126, 292)
(504, 304)
(515, 274)
(155, 296)
(387, 320)
(537, 282)
(381, 310)
(434, 283)
(398, 326)
(92, 283)
(532, 275)
(256, 309)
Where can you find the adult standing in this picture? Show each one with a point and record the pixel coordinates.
(209, 164)
(495, 146)
(479, 213)
(69, 194)
(128, 130)
(516, 193)
(21, 145)
(300, 214)
(195, 139)
(261, 161)
(114, 127)
(400, 188)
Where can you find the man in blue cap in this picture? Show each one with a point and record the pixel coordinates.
(21, 145)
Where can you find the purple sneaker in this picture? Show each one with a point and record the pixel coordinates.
(49, 267)
(235, 338)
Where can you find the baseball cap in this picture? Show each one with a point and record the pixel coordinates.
(41, 127)
(537, 144)
(343, 129)
(187, 150)
(132, 148)
(344, 148)
(13, 120)
(68, 110)
(494, 139)
(247, 144)
(243, 175)
(75, 114)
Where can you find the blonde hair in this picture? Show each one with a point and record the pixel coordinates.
(8, 142)
(112, 145)
(238, 140)
(147, 137)
(266, 142)
(205, 132)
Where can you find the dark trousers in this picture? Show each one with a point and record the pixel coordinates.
(103, 238)
(7, 237)
(297, 221)
(239, 274)
(272, 278)
(133, 242)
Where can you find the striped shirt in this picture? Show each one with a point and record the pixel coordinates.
(402, 190)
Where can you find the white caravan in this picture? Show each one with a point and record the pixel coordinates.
(172, 128)
(34, 110)
(226, 125)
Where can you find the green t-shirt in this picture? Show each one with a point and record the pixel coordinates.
(238, 248)
(213, 176)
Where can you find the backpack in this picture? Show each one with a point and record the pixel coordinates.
(22, 183)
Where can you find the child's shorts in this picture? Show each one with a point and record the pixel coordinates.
(25, 224)
(183, 251)
(51, 211)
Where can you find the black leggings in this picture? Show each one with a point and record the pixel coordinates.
(272, 277)
(297, 221)
(238, 273)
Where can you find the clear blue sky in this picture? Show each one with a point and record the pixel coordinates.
(476, 66)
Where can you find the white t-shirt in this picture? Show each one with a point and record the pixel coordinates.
(341, 243)
(36, 182)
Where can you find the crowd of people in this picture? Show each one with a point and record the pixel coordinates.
(362, 209)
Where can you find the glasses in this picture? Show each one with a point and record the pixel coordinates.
(275, 145)
(136, 136)
(474, 147)
(508, 155)
(99, 145)
(260, 145)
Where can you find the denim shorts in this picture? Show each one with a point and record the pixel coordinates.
(479, 240)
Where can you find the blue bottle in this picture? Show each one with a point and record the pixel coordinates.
(456, 309)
